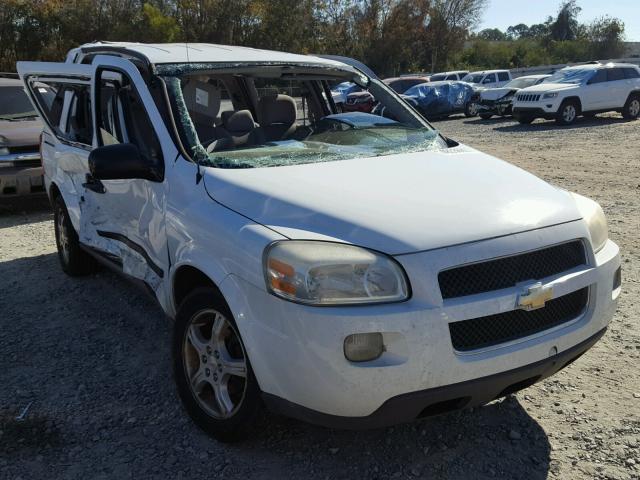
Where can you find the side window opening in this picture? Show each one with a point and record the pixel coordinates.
(122, 117)
(73, 123)
(503, 76)
(614, 74)
(79, 126)
(599, 77)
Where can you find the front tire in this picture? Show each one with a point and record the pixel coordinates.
(567, 113)
(631, 109)
(211, 368)
(73, 260)
(471, 109)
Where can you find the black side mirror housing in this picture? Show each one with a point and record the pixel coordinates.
(119, 162)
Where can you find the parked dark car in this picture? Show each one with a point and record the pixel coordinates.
(359, 102)
(402, 84)
(441, 99)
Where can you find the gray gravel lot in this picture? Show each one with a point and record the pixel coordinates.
(90, 358)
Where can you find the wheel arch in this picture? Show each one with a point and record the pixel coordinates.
(574, 98)
(187, 278)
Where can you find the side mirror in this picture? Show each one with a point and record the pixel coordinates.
(119, 162)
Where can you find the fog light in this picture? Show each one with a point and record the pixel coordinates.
(617, 278)
(363, 347)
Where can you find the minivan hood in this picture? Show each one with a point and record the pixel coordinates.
(397, 203)
(22, 132)
(496, 93)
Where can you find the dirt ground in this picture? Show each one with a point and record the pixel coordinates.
(85, 362)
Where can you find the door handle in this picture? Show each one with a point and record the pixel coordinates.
(94, 184)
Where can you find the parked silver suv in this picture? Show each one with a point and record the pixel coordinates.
(20, 128)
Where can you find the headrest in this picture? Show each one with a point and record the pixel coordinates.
(240, 123)
(277, 109)
(202, 98)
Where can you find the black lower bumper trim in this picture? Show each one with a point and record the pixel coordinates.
(532, 112)
(410, 406)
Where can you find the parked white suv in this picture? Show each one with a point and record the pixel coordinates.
(581, 90)
(488, 78)
(346, 269)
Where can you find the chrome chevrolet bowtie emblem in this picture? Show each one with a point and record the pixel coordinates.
(534, 296)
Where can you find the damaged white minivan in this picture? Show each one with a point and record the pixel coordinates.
(347, 269)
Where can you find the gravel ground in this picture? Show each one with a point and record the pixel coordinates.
(85, 363)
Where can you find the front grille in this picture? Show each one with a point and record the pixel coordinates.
(508, 271)
(528, 97)
(24, 149)
(503, 327)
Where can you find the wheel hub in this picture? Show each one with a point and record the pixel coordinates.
(215, 364)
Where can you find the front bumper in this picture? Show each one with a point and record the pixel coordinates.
(542, 109)
(425, 403)
(21, 175)
(297, 351)
(495, 107)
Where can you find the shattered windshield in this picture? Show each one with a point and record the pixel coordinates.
(274, 116)
(571, 75)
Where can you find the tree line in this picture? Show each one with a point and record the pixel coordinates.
(560, 39)
(391, 36)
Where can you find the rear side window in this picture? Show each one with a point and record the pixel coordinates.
(122, 117)
(78, 127)
(614, 74)
(630, 72)
(66, 108)
(503, 76)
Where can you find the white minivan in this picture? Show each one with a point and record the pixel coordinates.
(347, 269)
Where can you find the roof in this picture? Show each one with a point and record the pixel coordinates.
(488, 71)
(452, 72)
(158, 53)
(597, 65)
(407, 77)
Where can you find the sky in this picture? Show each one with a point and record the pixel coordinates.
(503, 13)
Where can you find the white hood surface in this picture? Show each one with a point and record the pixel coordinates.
(495, 93)
(548, 87)
(396, 204)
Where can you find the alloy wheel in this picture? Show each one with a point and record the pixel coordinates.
(63, 236)
(215, 363)
(569, 113)
(634, 107)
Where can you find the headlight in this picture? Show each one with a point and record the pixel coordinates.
(4, 151)
(550, 95)
(596, 221)
(325, 273)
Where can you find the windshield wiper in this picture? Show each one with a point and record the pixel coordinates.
(18, 116)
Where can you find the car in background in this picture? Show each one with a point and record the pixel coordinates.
(436, 100)
(20, 128)
(488, 78)
(454, 75)
(404, 83)
(361, 101)
(340, 92)
(498, 101)
(581, 90)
